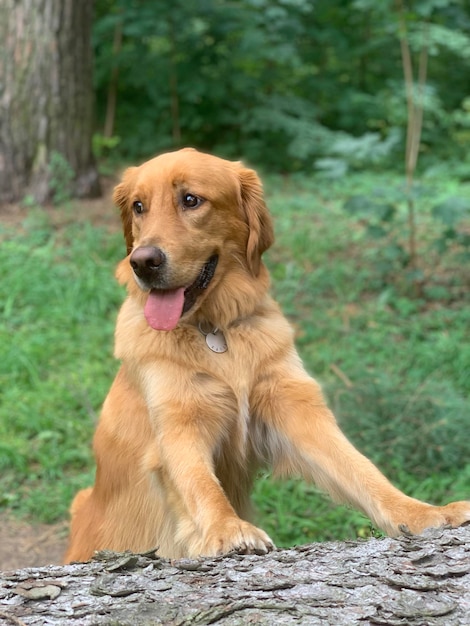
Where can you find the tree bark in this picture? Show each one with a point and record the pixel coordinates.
(46, 97)
(413, 580)
(111, 100)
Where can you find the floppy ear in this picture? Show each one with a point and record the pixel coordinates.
(261, 234)
(121, 200)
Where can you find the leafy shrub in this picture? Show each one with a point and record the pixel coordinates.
(61, 176)
(453, 213)
(386, 219)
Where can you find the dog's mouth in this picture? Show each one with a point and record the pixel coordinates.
(165, 307)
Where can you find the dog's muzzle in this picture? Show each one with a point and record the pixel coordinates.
(165, 305)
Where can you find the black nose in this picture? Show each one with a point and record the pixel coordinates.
(147, 262)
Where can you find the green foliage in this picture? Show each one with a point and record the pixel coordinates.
(453, 212)
(382, 214)
(61, 176)
(291, 85)
(104, 146)
(105, 153)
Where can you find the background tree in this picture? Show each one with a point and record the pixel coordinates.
(46, 99)
(285, 83)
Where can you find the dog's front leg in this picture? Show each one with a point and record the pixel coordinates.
(207, 524)
(191, 424)
(304, 439)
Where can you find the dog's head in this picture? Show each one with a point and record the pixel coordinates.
(188, 218)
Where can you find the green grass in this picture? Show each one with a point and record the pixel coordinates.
(395, 367)
(58, 308)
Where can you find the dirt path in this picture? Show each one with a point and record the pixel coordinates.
(25, 545)
(98, 211)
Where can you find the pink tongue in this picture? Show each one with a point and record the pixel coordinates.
(163, 309)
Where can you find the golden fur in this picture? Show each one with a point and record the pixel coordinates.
(184, 429)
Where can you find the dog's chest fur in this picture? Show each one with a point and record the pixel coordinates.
(171, 366)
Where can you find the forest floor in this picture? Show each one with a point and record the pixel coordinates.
(30, 545)
(98, 211)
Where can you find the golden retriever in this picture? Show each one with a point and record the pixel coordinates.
(211, 386)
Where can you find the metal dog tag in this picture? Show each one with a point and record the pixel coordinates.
(216, 341)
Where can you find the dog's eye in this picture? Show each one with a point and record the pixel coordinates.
(138, 207)
(190, 201)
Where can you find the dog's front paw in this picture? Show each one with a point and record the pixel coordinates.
(428, 516)
(235, 536)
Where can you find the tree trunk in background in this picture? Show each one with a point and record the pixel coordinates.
(46, 97)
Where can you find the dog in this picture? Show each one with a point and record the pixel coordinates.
(210, 386)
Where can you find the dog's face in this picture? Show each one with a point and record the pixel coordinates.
(189, 217)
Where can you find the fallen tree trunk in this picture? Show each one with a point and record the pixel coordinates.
(414, 580)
